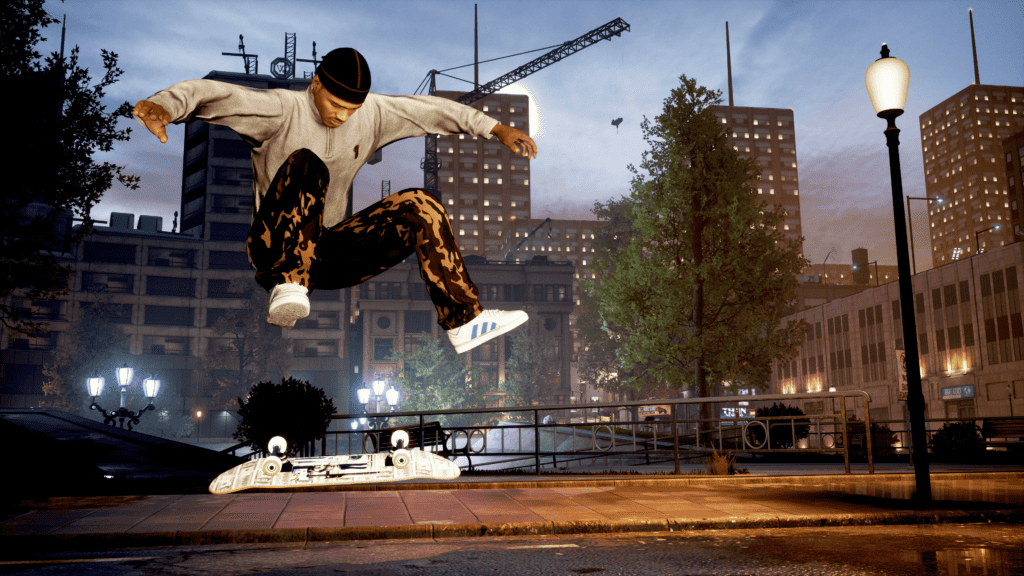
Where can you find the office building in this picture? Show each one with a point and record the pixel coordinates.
(484, 186)
(962, 143)
(768, 137)
(1013, 153)
(968, 317)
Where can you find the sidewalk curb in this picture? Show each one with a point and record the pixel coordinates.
(685, 480)
(78, 542)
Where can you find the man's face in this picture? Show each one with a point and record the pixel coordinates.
(333, 110)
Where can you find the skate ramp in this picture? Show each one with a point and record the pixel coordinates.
(64, 454)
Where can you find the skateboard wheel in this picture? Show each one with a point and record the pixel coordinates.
(271, 466)
(277, 442)
(401, 458)
(400, 439)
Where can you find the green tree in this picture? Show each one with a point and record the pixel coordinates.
(250, 351)
(94, 345)
(697, 288)
(60, 124)
(529, 370)
(434, 377)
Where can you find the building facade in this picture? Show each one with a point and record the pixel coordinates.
(962, 143)
(970, 336)
(166, 291)
(394, 312)
(768, 137)
(1013, 153)
(484, 186)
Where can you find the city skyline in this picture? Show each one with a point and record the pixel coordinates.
(845, 196)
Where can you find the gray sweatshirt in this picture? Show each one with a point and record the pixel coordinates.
(276, 123)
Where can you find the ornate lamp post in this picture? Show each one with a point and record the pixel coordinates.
(377, 398)
(887, 80)
(124, 377)
(977, 249)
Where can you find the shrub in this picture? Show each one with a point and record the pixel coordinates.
(881, 437)
(957, 442)
(781, 430)
(293, 409)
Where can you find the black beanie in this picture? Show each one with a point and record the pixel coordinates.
(345, 74)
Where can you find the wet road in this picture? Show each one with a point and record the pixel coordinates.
(954, 549)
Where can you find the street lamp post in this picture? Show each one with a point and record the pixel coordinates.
(150, 386)
(887, 80)
(379, 394)
(910, 219)
(977, 248)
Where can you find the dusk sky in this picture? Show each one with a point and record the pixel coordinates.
(807, 56)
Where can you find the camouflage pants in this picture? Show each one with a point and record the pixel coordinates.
(288, 243)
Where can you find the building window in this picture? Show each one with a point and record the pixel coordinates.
(229, 260)
(169, 286)
(168, 316)
(109, 253)
(382, 348)
(229, 231)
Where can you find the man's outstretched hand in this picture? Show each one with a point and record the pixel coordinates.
(517, 140)
(153, 117)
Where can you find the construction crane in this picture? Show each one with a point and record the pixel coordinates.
(430, 164)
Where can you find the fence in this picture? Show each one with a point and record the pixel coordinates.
(573, 433)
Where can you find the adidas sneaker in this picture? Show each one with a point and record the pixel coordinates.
(488, 325)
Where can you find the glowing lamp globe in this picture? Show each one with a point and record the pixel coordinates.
(887, 81)
(151, 387)
(95, 385)
(124, 375)
(392, 397)
(364, 395)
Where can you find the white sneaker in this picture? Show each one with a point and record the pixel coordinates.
(488, 325)
(288, 303)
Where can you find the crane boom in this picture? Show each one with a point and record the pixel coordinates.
(430, 163)
(614, 28)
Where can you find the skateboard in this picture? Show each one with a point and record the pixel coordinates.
(276, 471)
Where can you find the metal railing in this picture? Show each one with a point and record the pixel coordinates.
(566, 433)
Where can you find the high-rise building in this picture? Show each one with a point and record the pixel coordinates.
(962, 144)
(1013, 152)
(768, 137)
(483, 185)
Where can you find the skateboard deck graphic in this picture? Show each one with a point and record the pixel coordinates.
(275, 472)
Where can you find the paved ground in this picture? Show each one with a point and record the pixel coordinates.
(177, 510)
(560, 505)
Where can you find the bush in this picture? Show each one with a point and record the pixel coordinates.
(781, 430)
(882, 437)
(957, 442)
(293, 409)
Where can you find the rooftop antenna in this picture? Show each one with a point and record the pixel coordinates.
(284, 67)
(728, 60)
(974, 47)
(476, 52)
(253, 58)
(314, 61)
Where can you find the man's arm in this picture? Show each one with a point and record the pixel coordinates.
(251, 113)
(517, 140)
